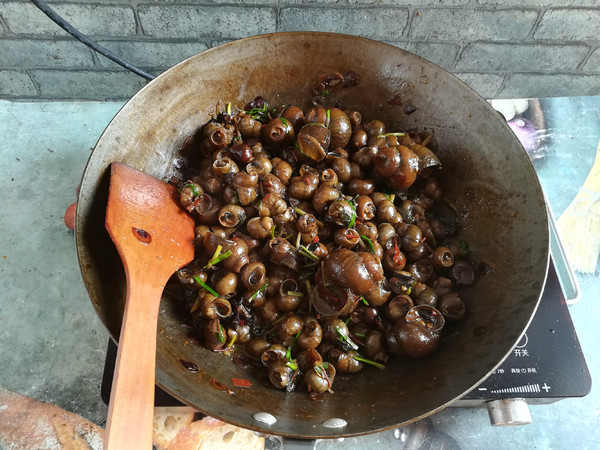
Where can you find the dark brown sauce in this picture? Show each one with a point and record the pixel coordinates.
(220, 386)
(243, 361)
(480, 331)
(409, 109)
(317, 396)
(189, 365)
(193, 339)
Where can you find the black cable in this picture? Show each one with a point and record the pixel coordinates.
(87, 41)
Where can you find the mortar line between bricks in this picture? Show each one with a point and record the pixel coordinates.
(505, 80)
(345, 7)
(544, 43)
(541, 13)
(4, 26)
(278, 17)
(498, 73)
(459, 54)
(139, 29)
(473, 7)
(36, 84)
(585, 59)
(411, 14)
(404, 39)
(95, 56)
(266, 5)
(571, 8)
(134, 39)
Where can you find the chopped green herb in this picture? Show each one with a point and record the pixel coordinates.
(288, 353)
(299, 211)
(390, 134)
(285, 122)
(308, 292)
(295, 294)
(228, 109)
(277, 322)
(300, 149)
(369, 243)
(260, 114)
(328, 119)
(360, 335)
(362, 244)
(206, 286)
(352, 220)
(368, 361)
(463, 245)
(223, 256)
(273, 232)
(306, 252)
(451, 205)
(255, 111)
(321, 370)
(349, 200)
(233, 338)
(258, 291)
(306, 274)
(219, 257)
(194, 188)
(217, 252)
(364, 300)
(221, 334)
(344, 338)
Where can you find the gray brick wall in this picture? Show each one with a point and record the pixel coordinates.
(502, 48)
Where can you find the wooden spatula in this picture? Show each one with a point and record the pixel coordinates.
(154, 238)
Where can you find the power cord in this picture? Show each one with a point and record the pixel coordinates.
(87, 41)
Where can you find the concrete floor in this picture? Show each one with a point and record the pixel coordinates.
(52, 346)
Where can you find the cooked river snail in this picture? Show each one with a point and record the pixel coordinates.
(320, 250)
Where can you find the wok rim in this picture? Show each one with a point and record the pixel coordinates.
(86, 180)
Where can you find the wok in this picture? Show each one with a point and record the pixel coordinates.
(487, 175)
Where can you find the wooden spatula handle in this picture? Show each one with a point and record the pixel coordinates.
(154, 238)
(130, 415)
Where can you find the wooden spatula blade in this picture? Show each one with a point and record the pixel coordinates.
(154, 238)
(145, 220)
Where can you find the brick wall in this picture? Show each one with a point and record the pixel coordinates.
(502, 48)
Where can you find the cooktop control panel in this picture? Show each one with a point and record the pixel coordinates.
(546, 365)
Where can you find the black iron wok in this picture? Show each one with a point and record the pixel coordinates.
(488, 176)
